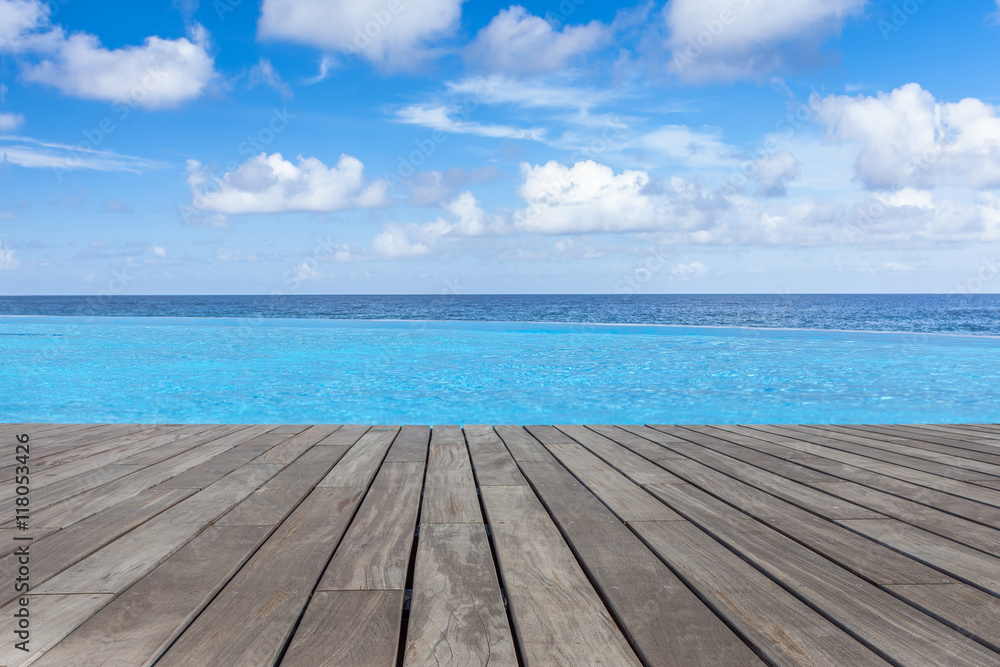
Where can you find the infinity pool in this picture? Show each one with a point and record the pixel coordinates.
(201, 370)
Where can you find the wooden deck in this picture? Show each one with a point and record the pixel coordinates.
(507, 545)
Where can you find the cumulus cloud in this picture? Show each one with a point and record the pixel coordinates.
(590, 198)
(159, 73)
(272, 184)
(468, 219)
(773, 172)
(906, 137)
(737, 39)
(442, 119)
(516, 42)
(10, 121)
(397, 34)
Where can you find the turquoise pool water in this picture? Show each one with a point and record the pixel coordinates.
(187, 370)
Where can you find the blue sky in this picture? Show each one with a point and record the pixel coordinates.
(436, 146)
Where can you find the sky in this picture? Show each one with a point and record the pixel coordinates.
(442, 146)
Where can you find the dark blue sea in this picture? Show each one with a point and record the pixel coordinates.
(938, 313)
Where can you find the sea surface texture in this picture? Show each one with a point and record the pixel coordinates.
(501, 359)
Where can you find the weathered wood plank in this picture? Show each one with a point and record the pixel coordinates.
(450, 488)
(375, 552)
(348, 629)
(457, 616)
(126, 560)
(559, 618)
(250, 620)
(492, 462)
(139, 624)
(783, 628)
(52, 618)
(410, 446)
(521, 444)
(358, 465)
(887, 624)
(964, 608)
(665, 622)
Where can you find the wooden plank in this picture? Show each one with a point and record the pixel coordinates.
(627, 500)
(250, 620)
(665, 622)
(346, 435)
(267, 506)
(885, 623)
(291, 429)
(811, 499)
(521, 444)
(864, 557)
(139, 624)
(52, 618)
(348, 628)
(559, 618)
(126, 481)
(963, 489)
(939, 442)
(204, 474)
(53, 554)
(642, 446)
(625, 461)
(375, 552)
(967, 609)
(450, 488)
(291, 449)
(359, 463)
(492, 462)
(895, 458)
(939, 500)
(910, 455)
(118, 565)
(962, 562)
(780, 626)
(457, 616)
(309, 469)
(410, 445)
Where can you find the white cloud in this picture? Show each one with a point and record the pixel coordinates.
(441, 118)
(304, 272)
(735, 39)
(271, 184)
(7, 259)
(692, 270)
(264, 73)
(31, 153)
(393, 34)
(394, 242)
(18, 18)
(498, 89)
(908, 138)
(773, 172)
(517, 42)
(587, 197)
(159, 73)
(159, 251)
(469, 219)
(10, 121)
(692, 148)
